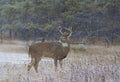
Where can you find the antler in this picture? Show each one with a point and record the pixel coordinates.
(69, 29)
(60, 30)
(65, 34)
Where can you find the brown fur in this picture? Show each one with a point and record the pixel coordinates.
(53, 50)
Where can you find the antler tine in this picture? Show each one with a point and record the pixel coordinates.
(60, 30)
(69, 29)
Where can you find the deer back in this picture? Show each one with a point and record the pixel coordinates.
(49, 49)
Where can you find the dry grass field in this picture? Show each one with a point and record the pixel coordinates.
(84, 63)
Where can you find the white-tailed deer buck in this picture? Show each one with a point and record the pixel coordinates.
(56, 50)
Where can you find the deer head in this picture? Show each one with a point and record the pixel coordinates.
(65, 33)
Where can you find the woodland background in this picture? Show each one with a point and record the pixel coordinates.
(33, 19)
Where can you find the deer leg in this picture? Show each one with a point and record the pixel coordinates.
(36, 64)
(55, 62)
(31, 64)
(60, 62)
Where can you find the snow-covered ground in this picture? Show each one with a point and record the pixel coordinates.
(15, 58)
(83, 64)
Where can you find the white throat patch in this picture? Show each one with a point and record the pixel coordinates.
(65, 44)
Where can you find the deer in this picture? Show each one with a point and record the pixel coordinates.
(56, 50)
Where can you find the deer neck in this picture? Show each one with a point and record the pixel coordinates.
(66, 46)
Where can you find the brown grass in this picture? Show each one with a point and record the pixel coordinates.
(85, 63)
(13, 46)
